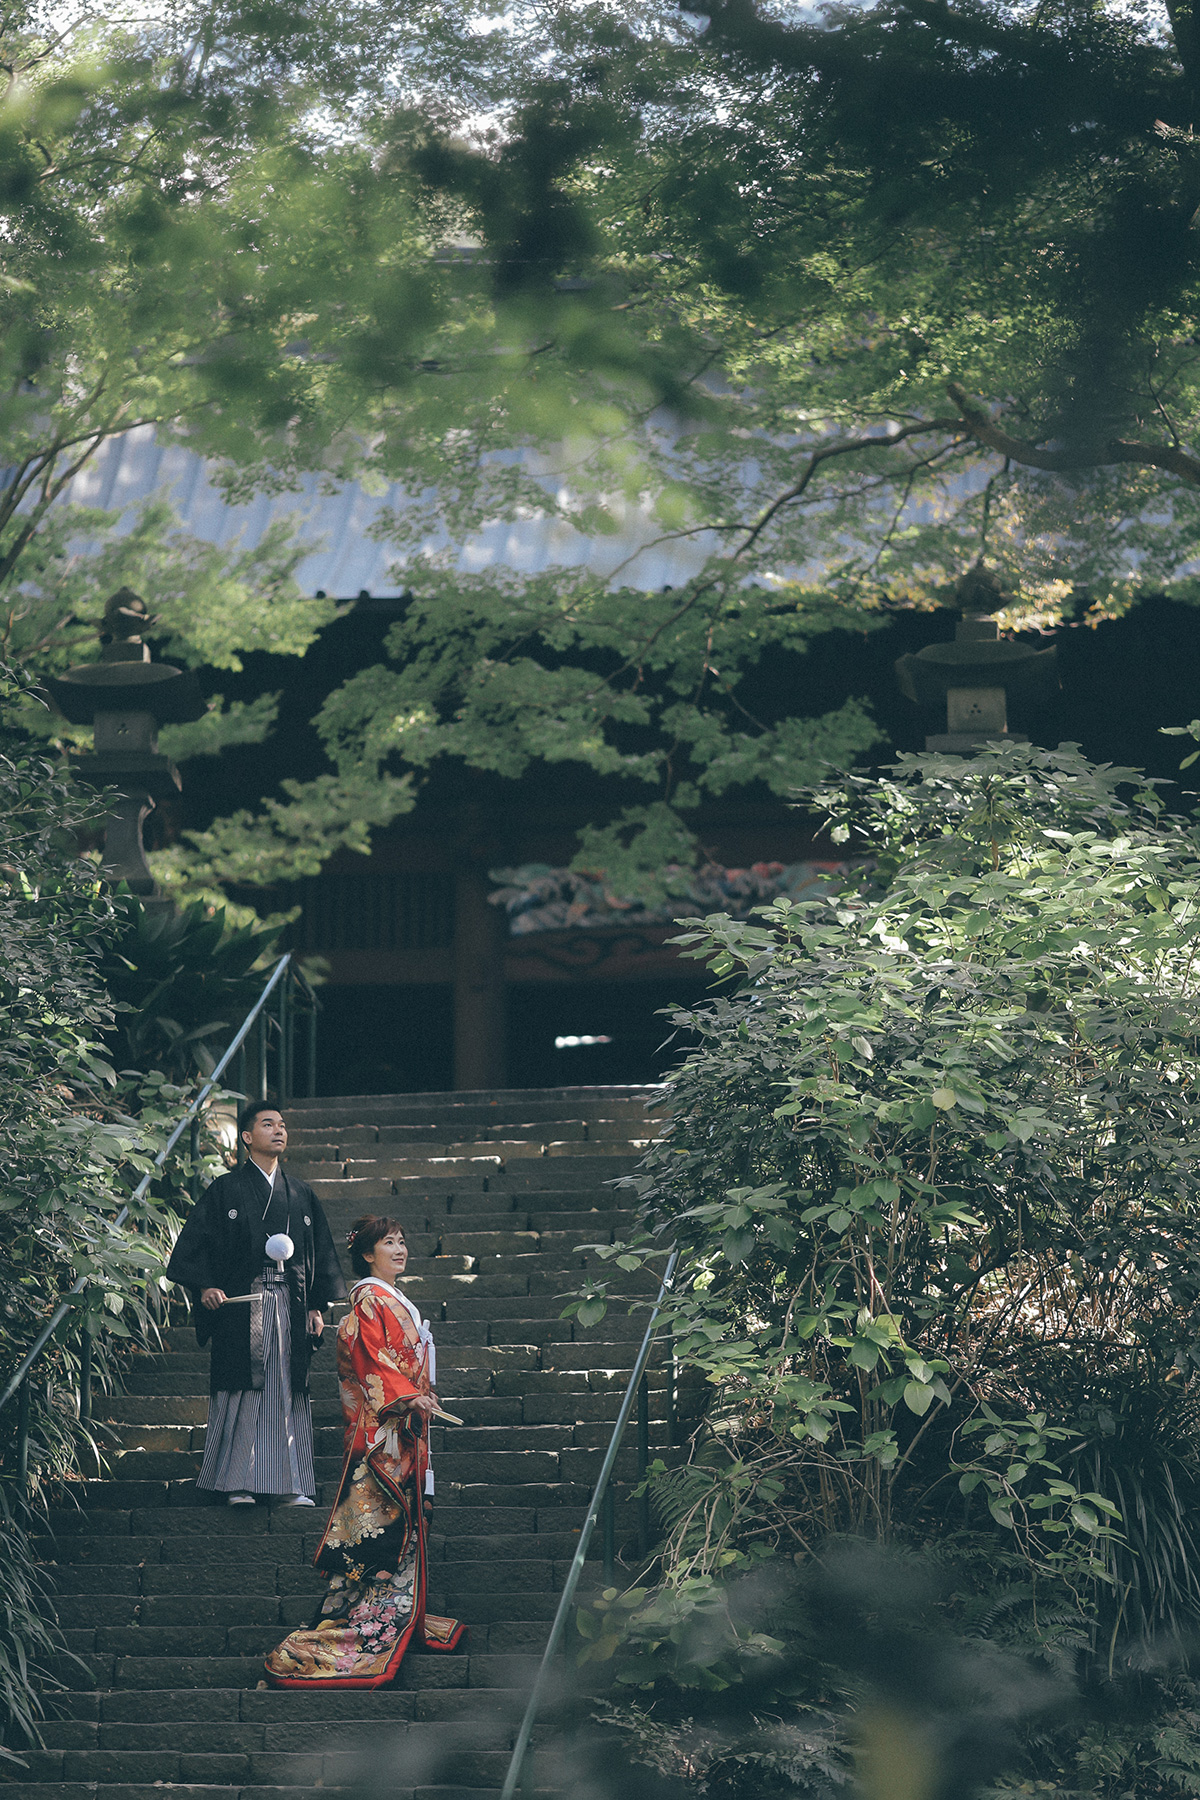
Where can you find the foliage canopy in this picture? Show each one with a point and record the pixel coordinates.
(833, 307)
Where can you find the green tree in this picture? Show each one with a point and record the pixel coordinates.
(210, 227)
(843, 305)
(835, 307)
(931, 1169)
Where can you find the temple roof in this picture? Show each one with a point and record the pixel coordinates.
(346, 560)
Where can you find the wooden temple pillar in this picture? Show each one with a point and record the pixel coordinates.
(480, 1019)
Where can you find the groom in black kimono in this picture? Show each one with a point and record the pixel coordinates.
(259, 1440)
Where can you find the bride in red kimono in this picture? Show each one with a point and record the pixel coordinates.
(373, 1547)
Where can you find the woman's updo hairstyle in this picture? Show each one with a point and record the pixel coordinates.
(363, 1236)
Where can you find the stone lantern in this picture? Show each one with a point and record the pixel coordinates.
(971, 682)
(126, 697)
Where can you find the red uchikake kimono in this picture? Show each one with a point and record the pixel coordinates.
(373, 1548)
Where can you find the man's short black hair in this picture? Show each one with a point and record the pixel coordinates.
(249, 1113)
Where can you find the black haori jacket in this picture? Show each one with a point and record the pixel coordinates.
(223, 1245)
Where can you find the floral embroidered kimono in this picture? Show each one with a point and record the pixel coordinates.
(373, 1549)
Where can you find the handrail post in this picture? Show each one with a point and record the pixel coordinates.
(610, 1536)
(643, 1463)
(285, 1033)
(85, 1377)
(312, 1047)
(239, 1149)
(516, 1761)
(23, 1437)
(262, 1054)
(194, 1153)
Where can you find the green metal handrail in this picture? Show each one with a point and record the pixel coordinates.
(602, 1494)
(282, 976)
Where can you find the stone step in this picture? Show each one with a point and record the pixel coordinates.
(432, 1204)
(438, 1790)
(154, 1409)
(327, 1163)
(512, 1375)
(162, 1644)
(591, 1223)
(171, 1598)
(291, 1722)
(152, 1688)
(454, 1240)
(452, 1177)
(231, 1707)
(507, 1609)
(317, 1767)
(444, 1128)
(152, 1595)
(214, 1536)
(488, 1104)
(188, 1358)
(26, 1790)
(482, 1162)
(364, 1143)
(518, 1434)
(189, 1387)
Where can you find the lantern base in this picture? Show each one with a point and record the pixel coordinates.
(965, 743)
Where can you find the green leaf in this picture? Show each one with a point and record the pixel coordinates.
(736, 1246)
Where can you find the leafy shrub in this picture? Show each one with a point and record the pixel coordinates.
(29, 1642)
(932, 1172)
(75, 1138)
(945, 1123)
(181, 982)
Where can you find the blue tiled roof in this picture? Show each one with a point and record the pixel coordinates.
(345, 559)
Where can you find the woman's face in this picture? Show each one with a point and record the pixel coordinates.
(389, 1258)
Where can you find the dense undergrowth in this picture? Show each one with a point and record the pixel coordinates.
(86, 977)
(933, 1172)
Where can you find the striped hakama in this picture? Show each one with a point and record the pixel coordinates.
(262, 1442)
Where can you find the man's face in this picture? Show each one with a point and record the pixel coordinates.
(267, 1136)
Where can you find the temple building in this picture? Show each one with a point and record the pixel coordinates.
(463, 953)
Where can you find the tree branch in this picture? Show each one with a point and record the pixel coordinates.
(846, 447)
(1115, 450)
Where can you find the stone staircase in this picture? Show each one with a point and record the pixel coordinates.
(170, 1601)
